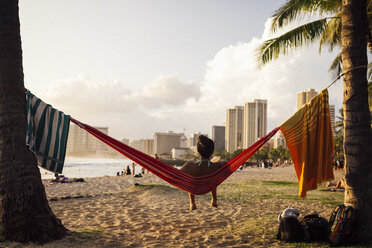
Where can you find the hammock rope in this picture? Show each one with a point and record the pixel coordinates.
(194, 185)
(343, 74)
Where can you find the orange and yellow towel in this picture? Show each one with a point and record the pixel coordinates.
(310, 141)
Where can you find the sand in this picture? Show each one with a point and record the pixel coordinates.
(113, 212)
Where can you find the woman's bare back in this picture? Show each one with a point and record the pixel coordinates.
(194, 169)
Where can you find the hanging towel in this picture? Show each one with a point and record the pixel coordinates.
(46, 133)
(310, 141)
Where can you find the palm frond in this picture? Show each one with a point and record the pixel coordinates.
(336, 66)
(305, 34)
(332, 33)
(296, 9)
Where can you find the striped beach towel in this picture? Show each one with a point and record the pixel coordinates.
(310, 141)
(46, 133)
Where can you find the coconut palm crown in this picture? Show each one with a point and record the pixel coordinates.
(326, 29)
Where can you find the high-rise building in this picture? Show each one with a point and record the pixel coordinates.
(179, 153)
(218, 136)
(164, 142)
(234, 129)
(149, 146)
(332, 115)
(138, 145)
(305, 97)
(125, 141)
(255, 121)
(143, 145)
(81, 143)
(279, 140)
(193, 139)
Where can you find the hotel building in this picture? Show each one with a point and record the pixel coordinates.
(164, 142)
(234, 129)
(255, 121)
(218, 136)
(81, 143)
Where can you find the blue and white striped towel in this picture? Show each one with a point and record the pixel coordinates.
(46, 133)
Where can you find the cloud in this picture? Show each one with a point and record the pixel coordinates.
(232, 78)
(128, 113)
(167, 90)
(81, 95)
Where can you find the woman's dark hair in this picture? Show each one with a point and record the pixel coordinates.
(205, 146)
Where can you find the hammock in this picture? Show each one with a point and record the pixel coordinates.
(194, 185)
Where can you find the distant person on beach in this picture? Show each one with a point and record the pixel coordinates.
(340, 184)
(127, 171)
(142, 170)
(205, 147)
(157, 157)
(134, 168)
(118, 174)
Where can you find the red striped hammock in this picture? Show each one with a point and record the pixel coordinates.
(194, 185)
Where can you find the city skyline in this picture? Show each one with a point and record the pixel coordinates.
(303, 97)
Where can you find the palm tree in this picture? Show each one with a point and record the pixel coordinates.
(338, 139)
(339, 125)
(347, 26)
(24, 211)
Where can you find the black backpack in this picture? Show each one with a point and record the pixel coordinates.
(290, 230)
(316, 228)
(344, 229)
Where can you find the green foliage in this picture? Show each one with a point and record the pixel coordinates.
(336, 65)
(274, 154)
(305, 34)
(338, 139)
(236, 153)
(94, 233)
(223, 154)
(294, 10)
(2, 237)
(339, 149)
(190, 155)
(279, 153)
(280, 183)
(326, 29)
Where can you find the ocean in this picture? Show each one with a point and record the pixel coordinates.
(91, 167)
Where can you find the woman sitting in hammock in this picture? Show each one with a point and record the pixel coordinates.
(205, 147)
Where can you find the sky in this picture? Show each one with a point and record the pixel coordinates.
(143, 66)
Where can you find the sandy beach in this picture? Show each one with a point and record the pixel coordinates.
(113, 212)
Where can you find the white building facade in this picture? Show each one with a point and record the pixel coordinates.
(234, 129)
(255, 121)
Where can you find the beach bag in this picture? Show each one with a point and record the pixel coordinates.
(344, 229)
(290, 230)
(316, 228)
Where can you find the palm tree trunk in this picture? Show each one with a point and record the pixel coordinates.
(24, 211)
(357, 130)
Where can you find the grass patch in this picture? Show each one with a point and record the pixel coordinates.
(249, 191)
(158, 186)
(89, 233)
(280, 183)
(313, 244)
